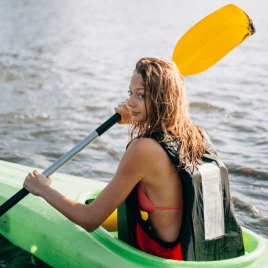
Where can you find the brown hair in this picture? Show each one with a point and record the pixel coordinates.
(166, 98)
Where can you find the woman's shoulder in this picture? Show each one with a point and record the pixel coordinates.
(145, 146)
(148, 156)
(143, 143)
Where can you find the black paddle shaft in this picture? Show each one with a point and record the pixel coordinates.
(62, 160)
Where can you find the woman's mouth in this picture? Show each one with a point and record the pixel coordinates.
(134, 113)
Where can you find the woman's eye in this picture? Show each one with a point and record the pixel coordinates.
(130, 93)
(141, 96)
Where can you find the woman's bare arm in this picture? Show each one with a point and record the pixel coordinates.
(130, 171)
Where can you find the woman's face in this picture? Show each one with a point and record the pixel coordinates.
(136, 100)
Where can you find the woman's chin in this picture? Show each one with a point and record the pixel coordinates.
(136, 118)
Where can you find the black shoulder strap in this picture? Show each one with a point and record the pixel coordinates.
(128, 213)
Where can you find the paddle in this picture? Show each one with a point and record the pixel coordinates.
(63, 160)
(211, 39)
(198, 49)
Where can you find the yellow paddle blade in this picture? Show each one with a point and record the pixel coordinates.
(211, 39)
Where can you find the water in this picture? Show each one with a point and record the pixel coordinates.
(64, 66)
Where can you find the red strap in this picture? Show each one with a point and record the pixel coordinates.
(146, 205)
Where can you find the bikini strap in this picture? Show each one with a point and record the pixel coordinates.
(146, 205)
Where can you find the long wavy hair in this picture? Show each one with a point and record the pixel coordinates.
(167, 109)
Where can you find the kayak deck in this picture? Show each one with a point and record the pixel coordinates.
(36, 227)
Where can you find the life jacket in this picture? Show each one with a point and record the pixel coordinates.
(209, 229)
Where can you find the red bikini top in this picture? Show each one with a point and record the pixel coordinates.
(145, 204)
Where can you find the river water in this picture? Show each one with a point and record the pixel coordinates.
(64, 66)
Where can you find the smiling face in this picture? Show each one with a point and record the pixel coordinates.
(136, 100)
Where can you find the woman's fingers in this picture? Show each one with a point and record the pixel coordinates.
(35, 181)
(123, 110)
(35, 172)
(123, 104)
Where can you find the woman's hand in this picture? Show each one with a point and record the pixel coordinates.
(35, 182)
(123, 110)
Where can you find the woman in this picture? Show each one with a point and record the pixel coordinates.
(160, 173)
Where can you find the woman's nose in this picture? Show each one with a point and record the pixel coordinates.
(130, 101)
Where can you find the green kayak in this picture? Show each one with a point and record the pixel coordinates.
(36, 227)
